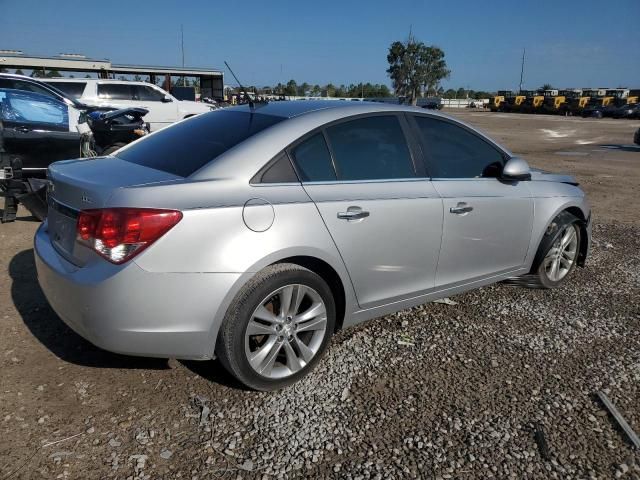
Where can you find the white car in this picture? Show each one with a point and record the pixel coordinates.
(164, 109)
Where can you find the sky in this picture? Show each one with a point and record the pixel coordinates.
(568, 43)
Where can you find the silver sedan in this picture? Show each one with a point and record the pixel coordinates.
(253, 233)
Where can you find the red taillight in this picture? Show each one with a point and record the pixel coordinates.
(118, 234)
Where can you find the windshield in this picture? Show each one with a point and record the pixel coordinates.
(187, 146)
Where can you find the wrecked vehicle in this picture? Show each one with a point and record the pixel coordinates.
(37, 129)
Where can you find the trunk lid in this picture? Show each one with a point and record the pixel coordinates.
(85, 184)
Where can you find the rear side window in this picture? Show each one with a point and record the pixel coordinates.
(370, 148)
(277, 171)
(115, 91)
(72, 89)
(313, 160)
(454, 152)
(187, 146)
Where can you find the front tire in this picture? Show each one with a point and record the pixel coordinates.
(557, 254)
(277, 328)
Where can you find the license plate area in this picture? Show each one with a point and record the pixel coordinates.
(62, 226)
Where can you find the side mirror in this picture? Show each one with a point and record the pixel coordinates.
(167, 99)
(516, 168)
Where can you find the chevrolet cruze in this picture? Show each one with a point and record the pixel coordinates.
(253, 233)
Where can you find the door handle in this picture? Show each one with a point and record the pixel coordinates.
(22, 129)
(353, 213)
(461, 209)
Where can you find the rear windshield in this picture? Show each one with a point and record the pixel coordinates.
(183, 148)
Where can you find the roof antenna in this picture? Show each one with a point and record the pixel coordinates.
(246, 94)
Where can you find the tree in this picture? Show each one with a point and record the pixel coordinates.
(329, 90)
(303, 89)
(291, 88)
(53, 74)
(19, 72)
(546, 86)
(414, 67)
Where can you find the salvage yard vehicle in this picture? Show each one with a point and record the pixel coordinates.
(516, 103)
(495, 102)
(567, 101)
(36, 130)
(164, 109)
(302, 218)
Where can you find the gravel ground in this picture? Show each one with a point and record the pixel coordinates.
(438, 391)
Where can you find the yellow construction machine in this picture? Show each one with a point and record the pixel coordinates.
(496, 103)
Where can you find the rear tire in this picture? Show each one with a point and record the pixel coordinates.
(557, 254)
(112, 148)
(277, 328)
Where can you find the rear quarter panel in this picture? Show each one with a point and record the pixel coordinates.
(216, 238)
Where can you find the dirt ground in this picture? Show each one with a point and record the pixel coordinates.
(438, 391)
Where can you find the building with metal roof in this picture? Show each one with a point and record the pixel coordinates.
(211, 80)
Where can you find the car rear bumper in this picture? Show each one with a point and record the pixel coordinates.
(128, 310)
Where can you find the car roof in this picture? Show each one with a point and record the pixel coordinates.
(99, 80)
(290, 109)
(299, 118)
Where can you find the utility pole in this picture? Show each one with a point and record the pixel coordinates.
(522, 70)
(182, 47)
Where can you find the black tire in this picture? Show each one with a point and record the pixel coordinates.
(112, 148)
(230, 345)
(538, 277)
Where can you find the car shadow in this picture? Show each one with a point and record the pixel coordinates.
(213, 371)
(624, 148)
(47, 327)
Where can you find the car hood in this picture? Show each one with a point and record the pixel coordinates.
(544, 176)
(194, 107)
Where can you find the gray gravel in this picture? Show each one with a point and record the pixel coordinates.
(444, 390)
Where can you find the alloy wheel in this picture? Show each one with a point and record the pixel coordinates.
(285, 331)
(562, 254)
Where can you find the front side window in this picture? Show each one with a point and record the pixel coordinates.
(115, 91)
(313, 160)
(454, 152)
(147, 94)
(187, 146)
(370, 148)
(26, 86)
(29, 108)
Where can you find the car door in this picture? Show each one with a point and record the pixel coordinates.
(162, 107)
(384, 216)
(487, 221)
(36, 129)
